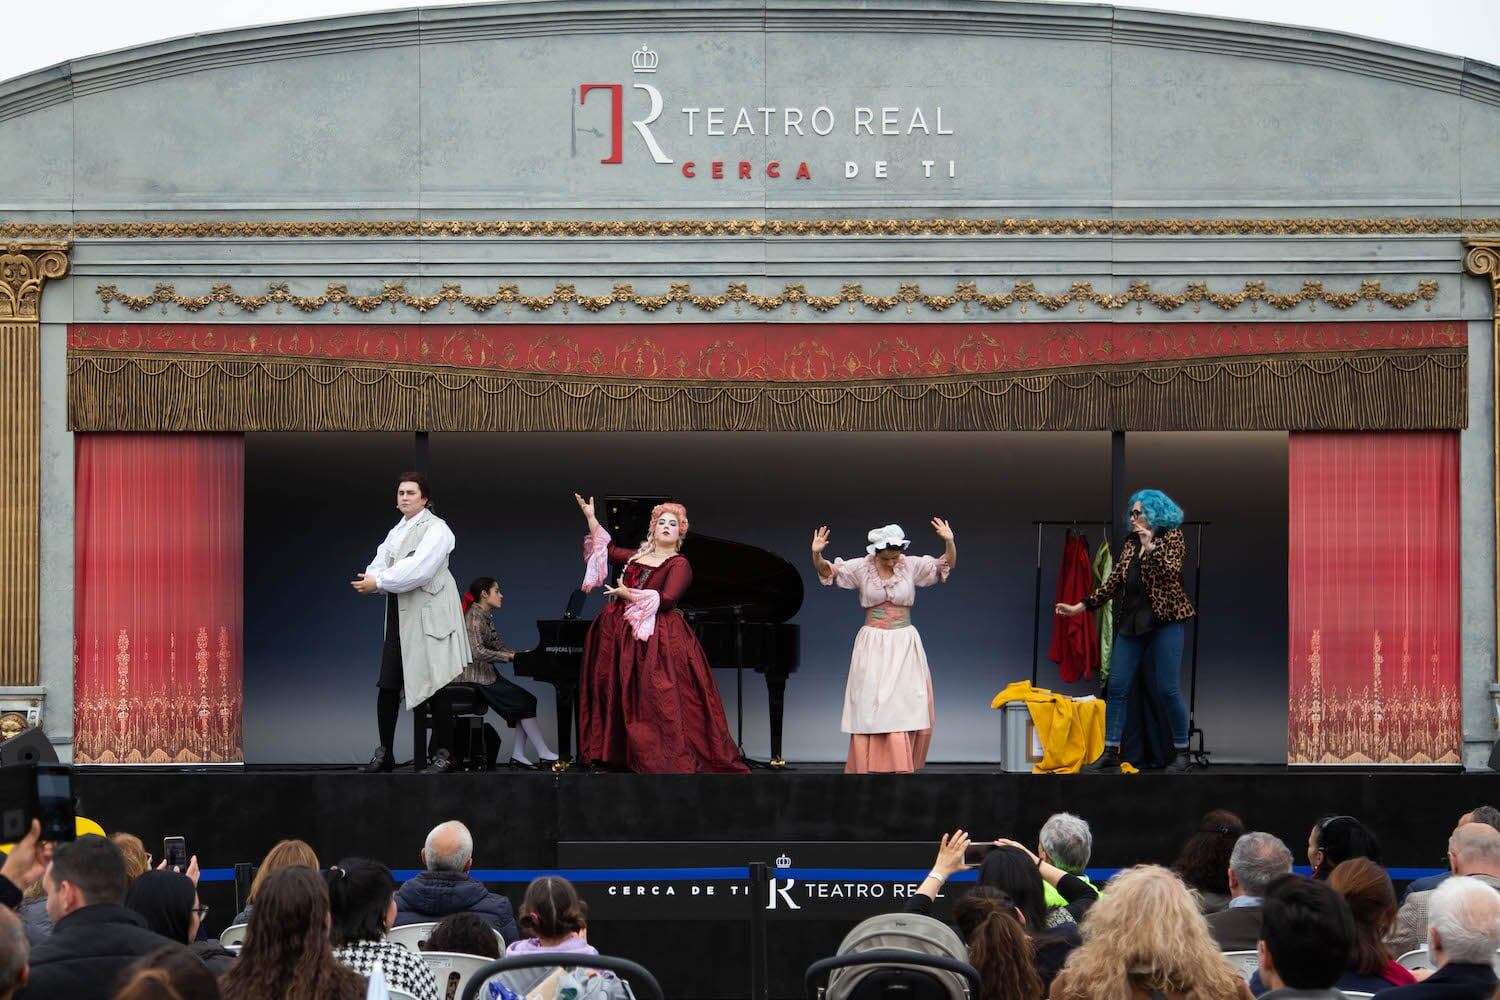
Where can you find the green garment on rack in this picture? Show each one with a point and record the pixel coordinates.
(1104, 618)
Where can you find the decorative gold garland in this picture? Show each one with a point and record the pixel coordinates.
(739, 295)
(655, 228)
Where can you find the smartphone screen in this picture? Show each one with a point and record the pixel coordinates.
(976, 853)
(174, 850)
(54, 801)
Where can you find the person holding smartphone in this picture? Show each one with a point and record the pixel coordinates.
(1149, 625)
(426, 643)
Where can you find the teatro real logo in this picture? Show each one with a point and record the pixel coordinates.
(641, 61)
(918, 133)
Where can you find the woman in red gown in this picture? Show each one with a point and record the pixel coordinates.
(647, 701)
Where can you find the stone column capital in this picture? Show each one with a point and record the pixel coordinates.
(24, 268)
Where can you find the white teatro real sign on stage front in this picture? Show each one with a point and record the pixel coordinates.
(688, 129)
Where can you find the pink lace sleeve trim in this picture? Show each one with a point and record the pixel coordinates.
(595, 558)
(641, 612)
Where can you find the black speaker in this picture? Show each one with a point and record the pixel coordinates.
(31, 746)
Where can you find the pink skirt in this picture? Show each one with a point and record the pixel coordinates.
(891, 753)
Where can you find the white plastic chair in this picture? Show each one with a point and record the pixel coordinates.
(1415, 960)
(410, 936)
(1356, 995)
(449, 966)
(394, 994)
(1246, 963)
(233, 936)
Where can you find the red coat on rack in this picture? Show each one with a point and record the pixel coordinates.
(1075, 641)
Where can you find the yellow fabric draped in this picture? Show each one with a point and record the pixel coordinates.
(1071, 732)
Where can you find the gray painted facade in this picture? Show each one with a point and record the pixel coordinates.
(1055, 112)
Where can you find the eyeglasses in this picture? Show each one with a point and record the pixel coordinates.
(202, 912)
(1137, 513)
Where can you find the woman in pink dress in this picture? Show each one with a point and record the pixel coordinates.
(888, 710)
(647, 700)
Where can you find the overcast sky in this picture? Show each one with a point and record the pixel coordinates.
(53, 31)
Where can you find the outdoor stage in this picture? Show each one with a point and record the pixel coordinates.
(662, 860)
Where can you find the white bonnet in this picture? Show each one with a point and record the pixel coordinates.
(884, 538)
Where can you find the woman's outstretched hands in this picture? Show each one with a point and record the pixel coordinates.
(820, 540)
(950, 856)
(1068, 610)
(944, 531)
(619, 591)
(586, 507)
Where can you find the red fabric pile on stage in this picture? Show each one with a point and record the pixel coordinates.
(158, 598)
(1374, 599)
(1075, 640)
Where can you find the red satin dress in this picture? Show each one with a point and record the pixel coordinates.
(651, 706)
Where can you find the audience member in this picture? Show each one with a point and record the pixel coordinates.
(554, 920)
(1367, 889)
(137, 858)
(1462, 937)
(1146, 938)
(1306, 936)
(1473, 850)
(1203, 862)
(286, 852)
(990, 925)
(1257, 859)
(1488, 815)
(1066, 842)
(33, 913)
(94, 937)
(362, 899)
(168, 974)
(1336, 839)
(287, 952)
(464, 934)
(168, 903)
(13, 953)
(446, 886)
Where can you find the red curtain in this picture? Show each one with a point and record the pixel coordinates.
(159, 588)
(1374, 599)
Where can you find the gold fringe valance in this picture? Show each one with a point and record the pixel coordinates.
(1390, 390)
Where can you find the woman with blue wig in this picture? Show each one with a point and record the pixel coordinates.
(1149, 623)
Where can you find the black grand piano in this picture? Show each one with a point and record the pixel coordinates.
(738, 605)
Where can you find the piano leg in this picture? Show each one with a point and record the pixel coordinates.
(776, 689)
(567, 697)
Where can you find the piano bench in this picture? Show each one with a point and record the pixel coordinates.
(467, 708)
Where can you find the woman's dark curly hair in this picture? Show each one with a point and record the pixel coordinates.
(1203, 862)
(287, 954)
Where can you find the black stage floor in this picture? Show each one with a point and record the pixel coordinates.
(662, 858)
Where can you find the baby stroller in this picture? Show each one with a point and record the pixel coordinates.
(907, 955)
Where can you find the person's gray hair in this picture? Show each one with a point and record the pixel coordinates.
(1464, 913)
(1488, 815)
(1258, 859)
(1068, 842)
(449, 848)
(13, 951)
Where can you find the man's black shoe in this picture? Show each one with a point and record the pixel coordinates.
(381, 761)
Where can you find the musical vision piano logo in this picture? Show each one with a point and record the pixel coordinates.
(703, 122)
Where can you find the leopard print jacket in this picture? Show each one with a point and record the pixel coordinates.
(1161, 573)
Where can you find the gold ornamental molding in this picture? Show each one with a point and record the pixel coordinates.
(748, 228)
(965, 295)
(25, 267)
(1482, 258)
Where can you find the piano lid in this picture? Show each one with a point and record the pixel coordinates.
(726, 573)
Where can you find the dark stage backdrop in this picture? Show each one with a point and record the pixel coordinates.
(317, 505)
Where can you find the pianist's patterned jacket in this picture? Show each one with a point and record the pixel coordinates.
(485, 644)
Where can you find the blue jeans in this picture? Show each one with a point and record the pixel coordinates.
(1163, 646)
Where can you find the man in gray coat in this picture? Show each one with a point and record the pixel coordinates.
(1474, 849)
(426, 644)
(1257, 859)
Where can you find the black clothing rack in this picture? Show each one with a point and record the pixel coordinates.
(1200, 755)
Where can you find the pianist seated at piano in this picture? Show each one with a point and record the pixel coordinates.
(888, 711)
(647, 699)
(513, 703)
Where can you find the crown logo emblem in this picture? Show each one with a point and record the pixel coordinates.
(644, 61)
(783, 862)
